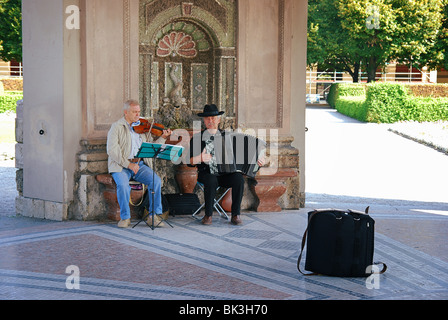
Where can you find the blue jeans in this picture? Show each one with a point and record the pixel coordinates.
(145, 176)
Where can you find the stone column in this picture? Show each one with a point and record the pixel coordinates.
(271, 93)
(51, 109)
(110, 64)
(78, 76)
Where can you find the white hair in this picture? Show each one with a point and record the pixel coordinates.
(130, 103)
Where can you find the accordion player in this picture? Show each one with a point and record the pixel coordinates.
(238, 152)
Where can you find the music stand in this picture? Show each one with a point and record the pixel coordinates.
(157, 151)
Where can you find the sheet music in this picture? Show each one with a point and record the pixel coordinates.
(160, 151)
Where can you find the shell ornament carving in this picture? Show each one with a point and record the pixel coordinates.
(177, 44)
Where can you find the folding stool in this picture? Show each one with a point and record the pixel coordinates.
(216, 204)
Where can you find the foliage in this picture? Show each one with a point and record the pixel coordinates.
(385, 102)
(326, 42)
(338, 90)
(351, 89)
(389, 103)
(11, 30)
(352, 106)
(437, 57)
(423, 109)
(8, 100)
(348, 34)
(332, 95)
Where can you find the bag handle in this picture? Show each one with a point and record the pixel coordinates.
(382, 270)
(303, 245)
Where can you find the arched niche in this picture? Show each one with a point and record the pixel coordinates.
(187, 57)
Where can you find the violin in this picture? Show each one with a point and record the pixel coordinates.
(145, 126)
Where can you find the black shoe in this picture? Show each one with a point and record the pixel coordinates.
(207, 220)
(236, 220)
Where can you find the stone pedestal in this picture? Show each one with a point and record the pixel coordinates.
(270, 187)
(277, 186)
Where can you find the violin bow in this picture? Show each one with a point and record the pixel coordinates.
(150, 128)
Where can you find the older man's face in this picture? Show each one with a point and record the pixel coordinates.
(212, 122)
(133, 114)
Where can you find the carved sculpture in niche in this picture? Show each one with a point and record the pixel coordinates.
(175, 95)
(184, 50)
(200, 36)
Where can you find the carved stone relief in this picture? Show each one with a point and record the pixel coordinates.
(185, 56)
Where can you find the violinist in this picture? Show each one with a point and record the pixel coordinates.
(123, 143)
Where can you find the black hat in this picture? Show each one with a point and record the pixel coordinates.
(210, 111)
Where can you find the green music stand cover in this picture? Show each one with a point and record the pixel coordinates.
(160, 151)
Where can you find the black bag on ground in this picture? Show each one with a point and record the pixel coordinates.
(182, 203)
(340, 243)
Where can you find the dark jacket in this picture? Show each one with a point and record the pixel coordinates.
(194, 151)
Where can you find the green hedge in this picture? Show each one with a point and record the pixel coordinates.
(426, 109)
(384, 102)
(387, 103)
(8, 100)
(354, 107)
(344, 90)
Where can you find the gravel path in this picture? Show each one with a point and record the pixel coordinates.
(432, 134)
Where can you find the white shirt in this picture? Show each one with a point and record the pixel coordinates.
(136, 143)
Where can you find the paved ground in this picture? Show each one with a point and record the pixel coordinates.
(349, 165)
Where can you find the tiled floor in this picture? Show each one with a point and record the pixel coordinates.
(190, 261)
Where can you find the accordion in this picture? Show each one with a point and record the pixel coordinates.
(238, 152)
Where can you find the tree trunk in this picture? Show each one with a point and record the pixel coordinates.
(371, 70)
(355, 72)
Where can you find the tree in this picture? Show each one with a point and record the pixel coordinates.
(326, 44)
(437, 57)
(11, 30)
(346, 34)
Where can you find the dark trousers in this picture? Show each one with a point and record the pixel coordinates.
(231, 180)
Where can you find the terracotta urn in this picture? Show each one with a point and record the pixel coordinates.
(186, 178)
(226, 201)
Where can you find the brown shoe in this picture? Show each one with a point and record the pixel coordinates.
(207, 220)
(236, 220)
